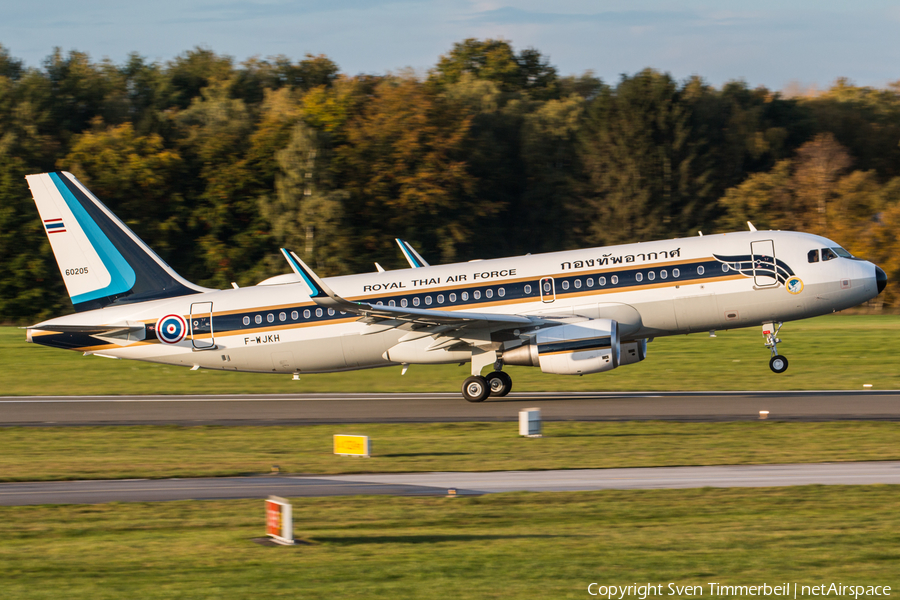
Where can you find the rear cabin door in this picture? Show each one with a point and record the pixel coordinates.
(202, 335)
(763, 255)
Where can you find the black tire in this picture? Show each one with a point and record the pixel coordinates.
(500, 383)
(779, 363)
(476, 389)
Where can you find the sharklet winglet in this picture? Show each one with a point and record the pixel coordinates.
(406, 254)
(414, 259)
(422, 261)
(321, 294)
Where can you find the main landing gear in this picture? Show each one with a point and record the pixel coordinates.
(499, 382)
(777, 363)
(477, 388)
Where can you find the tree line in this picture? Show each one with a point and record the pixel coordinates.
(492, 153)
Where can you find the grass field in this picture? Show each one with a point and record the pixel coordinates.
(53, 453)
(500, 546)
(520, 545)
(834, 352)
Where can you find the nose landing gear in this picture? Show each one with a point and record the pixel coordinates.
(777, 363)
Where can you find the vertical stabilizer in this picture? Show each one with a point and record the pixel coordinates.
(101, 260)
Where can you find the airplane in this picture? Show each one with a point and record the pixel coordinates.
(575, 312)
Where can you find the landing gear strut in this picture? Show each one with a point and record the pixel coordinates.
(777, 363)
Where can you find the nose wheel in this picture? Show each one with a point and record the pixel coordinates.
(777, 363)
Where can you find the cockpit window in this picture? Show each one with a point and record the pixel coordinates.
(841, 252)
(813, 256)
(828, 254)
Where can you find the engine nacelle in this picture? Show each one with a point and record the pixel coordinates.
(633, 352)
(576, 349)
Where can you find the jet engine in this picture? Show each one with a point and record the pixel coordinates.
(575, 349)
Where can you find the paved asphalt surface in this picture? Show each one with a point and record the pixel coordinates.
(398, 408)
(202, 488)
(860, 473)
(410, 484)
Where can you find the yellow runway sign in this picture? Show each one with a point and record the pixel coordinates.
(352, 445)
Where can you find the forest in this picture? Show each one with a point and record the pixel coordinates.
(492, 152)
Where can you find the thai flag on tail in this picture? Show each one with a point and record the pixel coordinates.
(54, 225)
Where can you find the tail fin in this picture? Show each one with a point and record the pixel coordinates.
(101, 260)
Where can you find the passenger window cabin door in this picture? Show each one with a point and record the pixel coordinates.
(548, 290)
(202, 335)
(764, 266)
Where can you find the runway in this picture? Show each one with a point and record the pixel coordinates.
(297, 409)
(437, 484)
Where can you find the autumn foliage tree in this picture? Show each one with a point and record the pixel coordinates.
(404, 170)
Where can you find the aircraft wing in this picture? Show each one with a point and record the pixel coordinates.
(426, 321)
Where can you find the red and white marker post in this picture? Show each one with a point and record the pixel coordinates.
(279, 521)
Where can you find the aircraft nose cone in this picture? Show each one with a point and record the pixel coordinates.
(880, 279)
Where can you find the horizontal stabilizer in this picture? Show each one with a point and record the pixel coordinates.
(93, 329)
(120, 334)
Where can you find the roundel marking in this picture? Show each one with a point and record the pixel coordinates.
(170, 329)
(794, 285)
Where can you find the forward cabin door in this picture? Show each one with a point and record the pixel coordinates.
(763, 256)
(202, 335)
